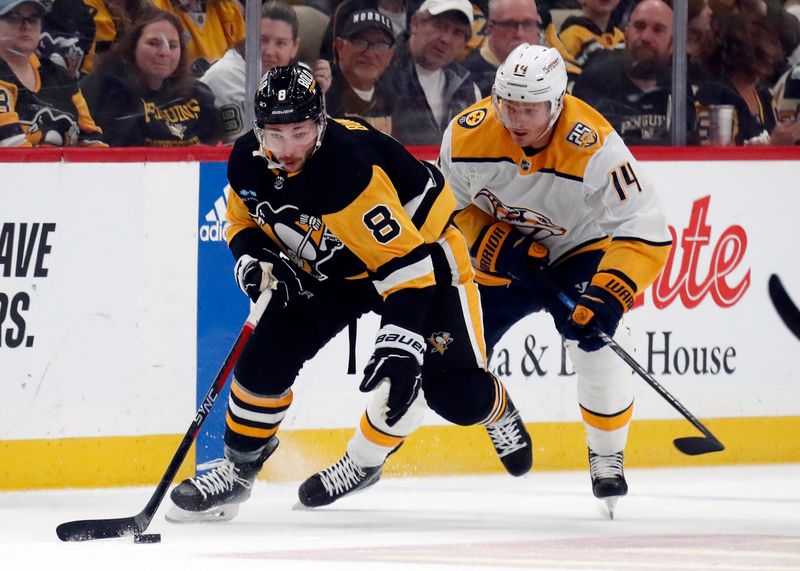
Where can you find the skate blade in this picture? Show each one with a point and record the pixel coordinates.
(299, 507)
(224, 512)
(610, 504)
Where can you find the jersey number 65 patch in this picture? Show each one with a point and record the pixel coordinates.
(379, 220)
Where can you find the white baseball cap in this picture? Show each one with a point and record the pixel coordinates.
(7, 5)
(437, 7)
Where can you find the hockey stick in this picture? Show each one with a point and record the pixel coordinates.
(787, 310)
(689, 445)
(83, 530)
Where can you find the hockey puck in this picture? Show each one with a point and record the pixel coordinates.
(147, 538)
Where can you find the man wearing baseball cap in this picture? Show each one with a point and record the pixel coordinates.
(428, 85)
(364, 46)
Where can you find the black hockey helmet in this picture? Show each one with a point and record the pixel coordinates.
(289, 94)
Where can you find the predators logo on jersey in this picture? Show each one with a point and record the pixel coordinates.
(582, 136)
(472, 119)
(439, 342)
(542, 226)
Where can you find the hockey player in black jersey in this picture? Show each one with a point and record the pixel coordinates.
(343, 220)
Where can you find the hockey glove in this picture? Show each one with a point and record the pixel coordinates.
(270, 271)
(600, 307)
(398, 360)
(506, 251)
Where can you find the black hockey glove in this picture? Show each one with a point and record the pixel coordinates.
(600, 307)
(506, 251)
(270, 271)
(398, 360)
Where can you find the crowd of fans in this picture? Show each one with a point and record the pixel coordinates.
(172, 72)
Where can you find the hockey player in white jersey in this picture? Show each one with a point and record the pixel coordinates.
(552, 200)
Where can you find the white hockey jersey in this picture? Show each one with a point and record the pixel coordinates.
(583, 191)
(226, 78)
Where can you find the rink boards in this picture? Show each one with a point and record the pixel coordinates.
(117, 306)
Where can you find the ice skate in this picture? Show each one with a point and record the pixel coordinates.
(216, 494)
(608, 479)
(343, 478)
(512, 441)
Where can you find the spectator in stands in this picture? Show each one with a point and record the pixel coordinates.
(280, 42)
(785, 25)
(698, 38)
(364, 47)
(68, 30)
(40, 103)
(511, 23)
(632, 87)
(582, 36)
(744, 54)
(429, 87)
(395, 10)
(143, 94)
(111, 18)
(214, 26)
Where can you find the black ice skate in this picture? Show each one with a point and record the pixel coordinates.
(343, 478)
(216, 494)
(608, 479)
(512, 441)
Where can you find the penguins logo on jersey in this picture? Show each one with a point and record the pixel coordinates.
(309, 242)
(472, 119)
(439, 342)
(541, 225)
(582, 136)
(178, 130)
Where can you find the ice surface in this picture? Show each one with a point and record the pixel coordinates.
(730, 518)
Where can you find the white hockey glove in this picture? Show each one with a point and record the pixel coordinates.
(270, 272)
(398, 360)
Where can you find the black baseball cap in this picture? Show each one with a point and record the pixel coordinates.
(361, 19)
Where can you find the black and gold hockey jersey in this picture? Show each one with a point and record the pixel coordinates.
(212, 28)
(362, 207)
(580, 38)
(53, 114)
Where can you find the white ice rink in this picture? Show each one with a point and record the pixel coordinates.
(730, 518)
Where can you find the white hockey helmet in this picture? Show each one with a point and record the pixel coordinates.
(532, 74)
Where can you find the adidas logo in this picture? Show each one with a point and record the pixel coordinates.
(214, 229)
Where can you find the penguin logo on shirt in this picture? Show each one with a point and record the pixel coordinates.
(439, 342)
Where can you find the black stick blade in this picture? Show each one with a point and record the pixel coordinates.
(696, 445)
(787, 310)
(84, 530)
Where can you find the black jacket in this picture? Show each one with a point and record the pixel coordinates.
(413, 122)
(133, 117)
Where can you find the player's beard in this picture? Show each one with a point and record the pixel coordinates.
(644, 62)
